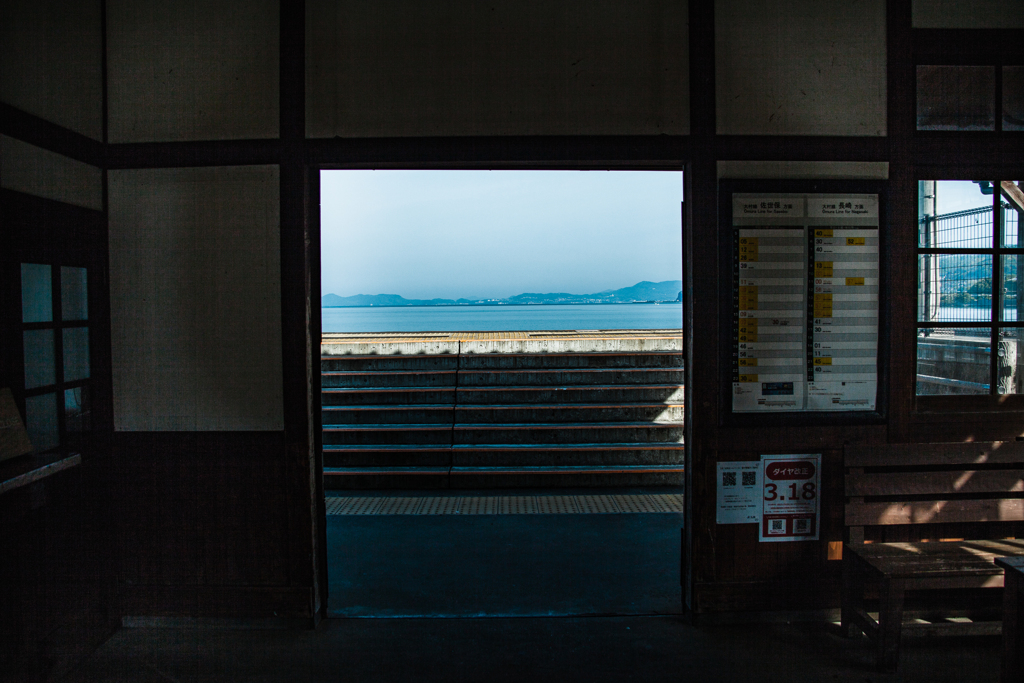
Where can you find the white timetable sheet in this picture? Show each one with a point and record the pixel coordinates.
(805, 302)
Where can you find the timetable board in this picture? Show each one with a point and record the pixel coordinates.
(805, 302)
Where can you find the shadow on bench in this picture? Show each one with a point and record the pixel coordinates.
(928, 492)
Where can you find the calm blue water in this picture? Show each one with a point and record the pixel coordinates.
(500, 318)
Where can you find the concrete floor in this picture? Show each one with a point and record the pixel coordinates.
(504, 565)
(607, 585)
(564, 649)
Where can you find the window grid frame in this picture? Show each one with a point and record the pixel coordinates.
(57, 324)
(996, 250)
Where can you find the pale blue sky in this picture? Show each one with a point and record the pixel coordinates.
(494, 234)
(959, 195)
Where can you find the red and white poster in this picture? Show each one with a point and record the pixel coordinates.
(790, 505)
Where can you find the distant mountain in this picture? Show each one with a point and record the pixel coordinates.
(641, 291)
(333, 300)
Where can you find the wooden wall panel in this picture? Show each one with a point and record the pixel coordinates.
(192, 69)
(206, 512)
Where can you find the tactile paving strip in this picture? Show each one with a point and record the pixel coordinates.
(600, 504)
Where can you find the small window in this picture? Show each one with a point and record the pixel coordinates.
(55, 355)
(970, 301)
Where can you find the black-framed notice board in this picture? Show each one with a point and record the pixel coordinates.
(802, 326)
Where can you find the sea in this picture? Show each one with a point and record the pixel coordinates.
(502, 318)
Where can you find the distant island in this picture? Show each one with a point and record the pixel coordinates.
(669, 291)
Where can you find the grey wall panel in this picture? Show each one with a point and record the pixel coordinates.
(29, 169)
(51, 61)
(510, 67)
(968, 13)
(817, 170)
(196, 299)
(192, 69)
(802, 67)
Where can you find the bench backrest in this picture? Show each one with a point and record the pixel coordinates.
(933, 483)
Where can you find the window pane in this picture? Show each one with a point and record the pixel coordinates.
(954, 287)
(41, 421)
(1013, 98)
(36, 293)
(1013, 296)
(955, 214)
(39, 365)
(76, 353)
(953, 361)
(1012, 202)
(956, 98)
(74, 298)
(77, 410)
(1010, 363)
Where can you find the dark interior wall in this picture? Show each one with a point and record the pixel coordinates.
(215, 111)
(51, 61)
(219, 502)
(464, 68)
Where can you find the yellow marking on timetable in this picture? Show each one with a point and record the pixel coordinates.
(822, 269)
(748, 304)
(748, 378)
(822, 298)
(854, 241)
(748, 241)
(854, 281)
(823, 361)
(822, 233)
(747, 362)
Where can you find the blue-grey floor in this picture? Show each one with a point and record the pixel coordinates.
(503, 565)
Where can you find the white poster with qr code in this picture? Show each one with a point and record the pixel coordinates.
(739, 493)
(790, 508)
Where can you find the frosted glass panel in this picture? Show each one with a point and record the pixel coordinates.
(1013, 98)
(36, 293)
(41, 421)
(39, 364)
(1010, 361)
(76, 353)
(956, 98)
(74, 297)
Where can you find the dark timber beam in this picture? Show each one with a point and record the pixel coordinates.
(701, 308)
(29, 128)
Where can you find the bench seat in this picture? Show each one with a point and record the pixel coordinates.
(899, 485)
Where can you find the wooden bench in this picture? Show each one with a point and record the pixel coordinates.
(914, 501)
(1013, 619)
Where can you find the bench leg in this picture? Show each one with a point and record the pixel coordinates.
(852, 597)
(1013, 629)
(890, 623)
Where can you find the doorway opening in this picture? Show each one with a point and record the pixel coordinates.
(502, 379)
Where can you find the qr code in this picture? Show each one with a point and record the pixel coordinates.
(750, 478)
(801, 526)
(776, 526)
(728, 478)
